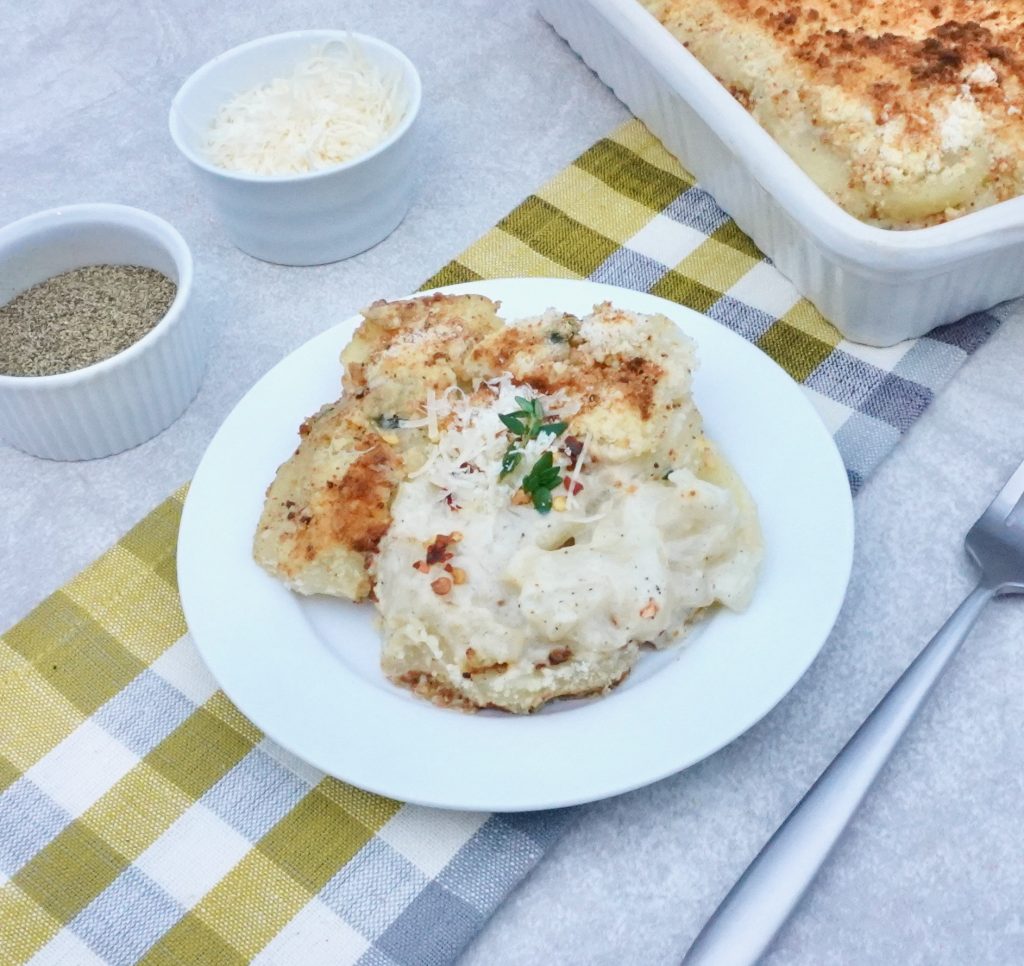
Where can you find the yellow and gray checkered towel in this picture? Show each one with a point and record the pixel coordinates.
(143, 818)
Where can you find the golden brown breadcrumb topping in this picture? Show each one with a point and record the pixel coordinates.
(895, 53)
(907, 114)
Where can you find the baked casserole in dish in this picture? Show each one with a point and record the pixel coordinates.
(907, 115)
(820, 127)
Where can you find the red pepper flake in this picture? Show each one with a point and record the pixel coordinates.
(452, 505)
(576, 487)
(437, 551)
(572, 447)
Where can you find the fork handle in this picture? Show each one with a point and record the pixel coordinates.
(768, 891)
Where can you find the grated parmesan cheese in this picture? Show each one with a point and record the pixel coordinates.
(469, 431)
(335, 106)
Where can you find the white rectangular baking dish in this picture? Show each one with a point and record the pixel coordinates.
(876, 285)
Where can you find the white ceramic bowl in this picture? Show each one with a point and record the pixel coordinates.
(304, 219)
(118, 402)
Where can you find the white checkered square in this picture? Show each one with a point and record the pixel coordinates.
(82, 767)
(832, 413)
(65, 949)
(764, 288)
(315, 937)
(666, 241)
(181, 666)
(429, 837)
(193, 855)
(884, 358)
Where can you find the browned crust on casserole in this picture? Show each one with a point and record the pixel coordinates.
(920, 103)
(630, 380)
(896, 54)
(329, 506)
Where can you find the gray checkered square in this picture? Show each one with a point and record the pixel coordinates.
(432, 930)
(969, 333)
(373, 889)
(144, 713)
(29, 819)
(696, 208)
(846, 379)
(743, 319)
(629, 269)
(124, 920)
(896, 400)
(930, 363)
(490, 863)
(255, 795)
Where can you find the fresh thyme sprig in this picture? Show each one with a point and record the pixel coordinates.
(511, 459)
(541, 480)
(527, 423)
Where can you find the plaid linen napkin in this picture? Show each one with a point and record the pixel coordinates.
(143, 818)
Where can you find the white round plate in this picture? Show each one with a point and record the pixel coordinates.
(306, 670)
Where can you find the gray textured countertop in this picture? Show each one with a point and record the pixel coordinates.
(933, 869)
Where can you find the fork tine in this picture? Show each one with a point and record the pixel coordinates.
(1009, 497)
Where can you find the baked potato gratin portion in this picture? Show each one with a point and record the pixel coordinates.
(527, 504)
(906, 114)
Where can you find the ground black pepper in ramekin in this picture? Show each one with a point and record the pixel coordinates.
(80, 317)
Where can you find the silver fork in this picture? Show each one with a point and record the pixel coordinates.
(765, 895)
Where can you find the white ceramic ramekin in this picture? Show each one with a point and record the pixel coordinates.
(305, 219)
(877, 286)
(118, 402)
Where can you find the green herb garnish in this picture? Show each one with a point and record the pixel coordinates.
(541, 480)
(527, 423)
(510, 461)
(512, 421)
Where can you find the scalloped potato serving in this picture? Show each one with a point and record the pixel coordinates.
(527, 504)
